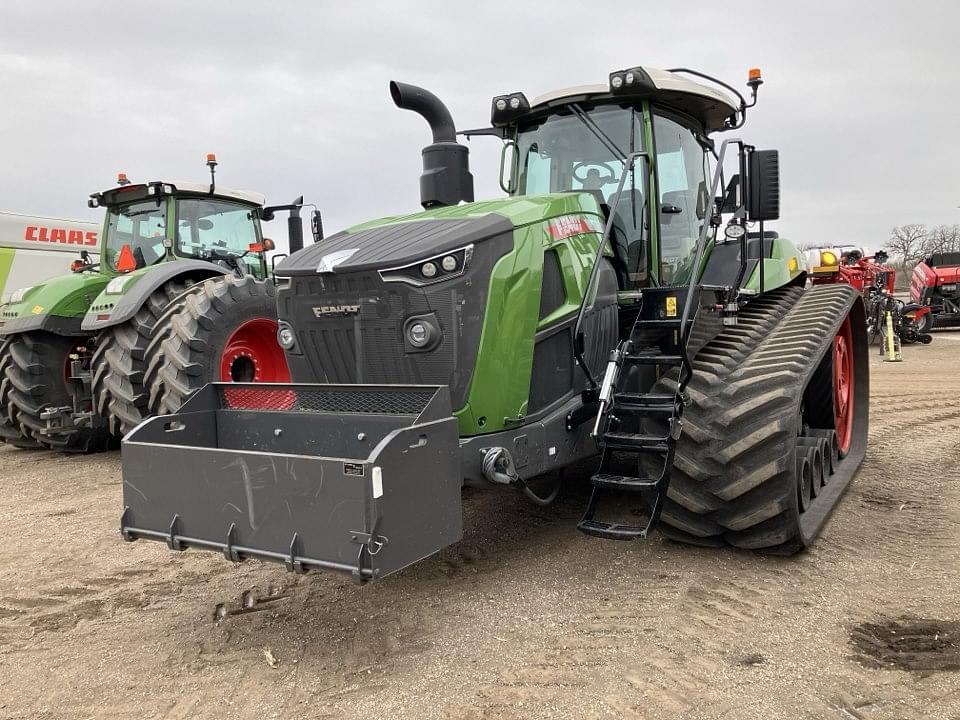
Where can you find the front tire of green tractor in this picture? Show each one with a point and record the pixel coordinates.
(795, 365)
(10, 433)
(38, 375)
(225, 331)
(119, 363)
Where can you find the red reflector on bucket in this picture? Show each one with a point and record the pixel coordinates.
(103, 316)
(247, 398)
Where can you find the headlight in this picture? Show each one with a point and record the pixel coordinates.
(19, 295)
(115, 286)
(418, 334)
(422, 333)
(286, 337)
(446, 266)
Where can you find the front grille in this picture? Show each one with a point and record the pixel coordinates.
(365, 342)
(357, 401)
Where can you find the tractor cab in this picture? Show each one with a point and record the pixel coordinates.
(154, 222)
(580, 140)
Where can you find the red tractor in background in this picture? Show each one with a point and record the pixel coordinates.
(935, 285)
(875, 280)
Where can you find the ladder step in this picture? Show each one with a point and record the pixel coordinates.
(634, 404)
(611, 531)
(665, 323)
(645, 398)
(655, 359)
(624, 482)
(632, 441)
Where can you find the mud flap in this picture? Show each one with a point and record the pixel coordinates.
(355, 478)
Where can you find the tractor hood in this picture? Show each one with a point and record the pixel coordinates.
(56, 305)
(395, 242)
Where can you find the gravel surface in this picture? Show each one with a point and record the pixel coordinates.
(525, 618)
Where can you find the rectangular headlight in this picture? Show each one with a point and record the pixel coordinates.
(506, 108)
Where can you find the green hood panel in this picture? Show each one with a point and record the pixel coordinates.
(783, 266)
(56, 304)
(519, 211)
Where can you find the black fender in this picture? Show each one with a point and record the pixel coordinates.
(134, 298)
(909, 307)
(67, 326)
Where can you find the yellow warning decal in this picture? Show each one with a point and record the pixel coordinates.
(37, 309)
(671, 306)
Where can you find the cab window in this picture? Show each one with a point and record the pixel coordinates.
(682, 187)
(141, 226)
(217, 230)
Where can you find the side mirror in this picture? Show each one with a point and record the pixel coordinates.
(763, 176)
(316, 226)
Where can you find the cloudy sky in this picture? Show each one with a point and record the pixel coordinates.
(861, 98)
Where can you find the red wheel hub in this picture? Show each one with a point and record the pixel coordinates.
(252, 354)
(843, 385)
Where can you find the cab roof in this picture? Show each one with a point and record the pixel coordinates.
(160, 187)
(705, 103)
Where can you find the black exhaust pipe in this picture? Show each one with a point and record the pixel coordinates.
(446, 178)
(295, 226)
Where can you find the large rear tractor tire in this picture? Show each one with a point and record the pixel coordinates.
(119, 363)
(38, 374)
(225, 331)
(9, 432)
(792, 375)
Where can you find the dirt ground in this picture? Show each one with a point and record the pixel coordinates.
(525, 618)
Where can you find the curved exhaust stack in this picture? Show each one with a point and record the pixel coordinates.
(446, 178)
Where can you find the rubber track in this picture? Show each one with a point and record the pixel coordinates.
(9, 432)
(119, 363)
(183, 364)
(734, 471)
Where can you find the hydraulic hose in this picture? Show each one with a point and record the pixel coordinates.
(498, 467)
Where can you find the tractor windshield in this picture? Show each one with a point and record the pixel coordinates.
(569, 152)
(565, 152)
(135, 235)
(213, 229)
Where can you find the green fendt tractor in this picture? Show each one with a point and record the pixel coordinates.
(622, 303)
(180, 297)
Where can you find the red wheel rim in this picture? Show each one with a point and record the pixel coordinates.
(252, 354)
(843, 384)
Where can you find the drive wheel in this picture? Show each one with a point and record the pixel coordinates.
(225, 331)
(925, 323)
(119, 363)
(9, 432)
(38, 373)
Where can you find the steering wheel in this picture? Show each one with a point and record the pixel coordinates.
(592, 179)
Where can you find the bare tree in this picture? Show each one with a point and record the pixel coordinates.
(908, 242)
(942, 239)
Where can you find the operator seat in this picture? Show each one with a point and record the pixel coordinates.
(628, 236)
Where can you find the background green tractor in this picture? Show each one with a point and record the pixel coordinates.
(180, 297)
(623, 303)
